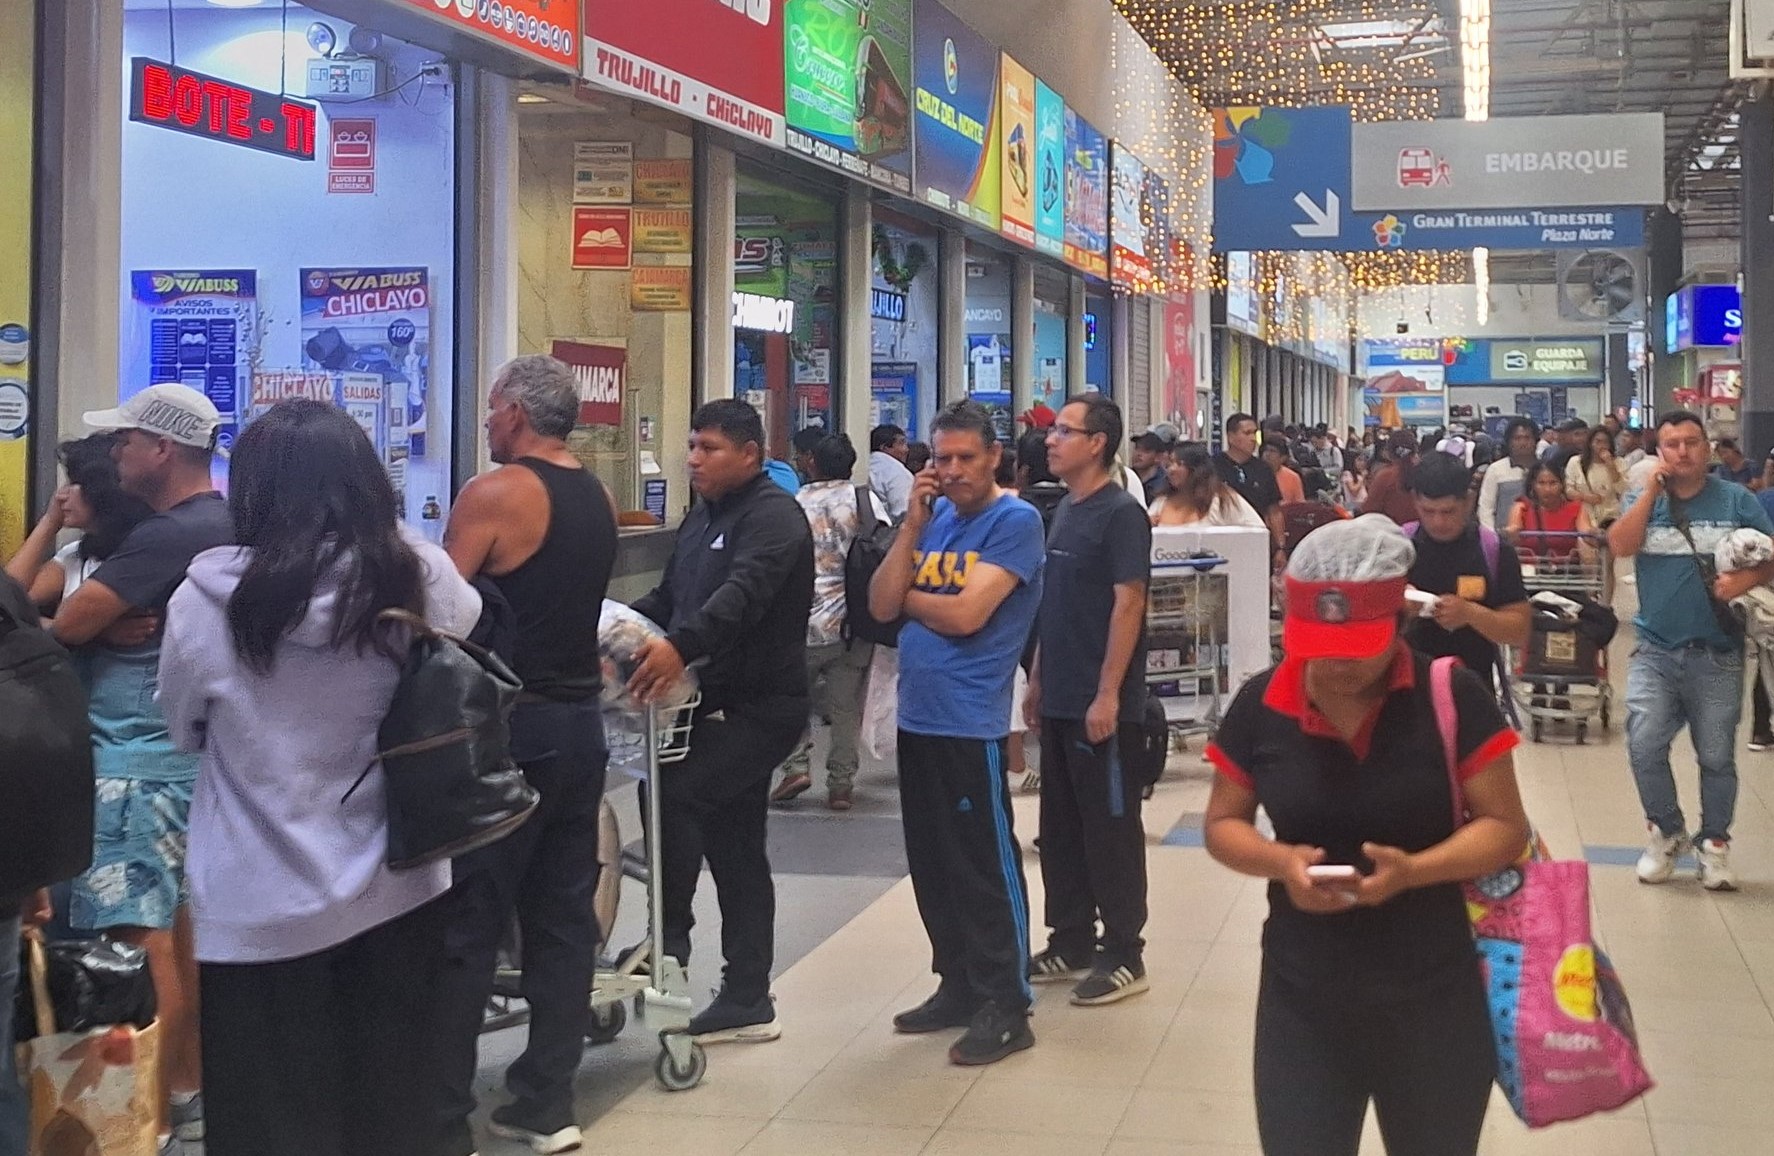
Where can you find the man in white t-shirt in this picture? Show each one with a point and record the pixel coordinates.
(888, 477)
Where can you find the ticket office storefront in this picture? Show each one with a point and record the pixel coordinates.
(787, 360)
(316, 253)
(605, 282)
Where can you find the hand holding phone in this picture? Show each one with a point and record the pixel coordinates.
(1422, 600)
(1305, 890)
(1324, 873)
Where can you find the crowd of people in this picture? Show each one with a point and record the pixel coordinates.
(237, 663)
(314, 1000)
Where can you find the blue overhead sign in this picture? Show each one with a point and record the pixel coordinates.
(1499, 229)
(1282, 180)
(1704, 316)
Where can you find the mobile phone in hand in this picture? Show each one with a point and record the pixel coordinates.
(1325, 874)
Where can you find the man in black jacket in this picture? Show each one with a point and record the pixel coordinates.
(735, 598)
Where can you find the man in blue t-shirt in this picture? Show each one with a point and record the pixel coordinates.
(965, 571)
(1687, 668)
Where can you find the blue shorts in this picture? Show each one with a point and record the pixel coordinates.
(137, 877)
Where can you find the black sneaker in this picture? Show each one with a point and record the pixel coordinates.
(994, 1033)
(1761, 742)
(942, 1010)
(1110, 982)
(1051, 967)
(728, 1021)
(544, 1133)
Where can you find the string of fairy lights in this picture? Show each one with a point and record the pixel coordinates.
(1384, 59)
(1165, 129)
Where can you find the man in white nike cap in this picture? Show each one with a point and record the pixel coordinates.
(163, 440)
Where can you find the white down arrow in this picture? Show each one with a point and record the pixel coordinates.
(1326, 222)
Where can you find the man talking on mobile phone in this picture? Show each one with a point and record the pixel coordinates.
(965, 571)
(1688, 666)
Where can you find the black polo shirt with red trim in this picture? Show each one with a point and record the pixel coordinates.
(1389, 785)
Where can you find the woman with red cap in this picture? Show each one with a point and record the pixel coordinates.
(1370, 986)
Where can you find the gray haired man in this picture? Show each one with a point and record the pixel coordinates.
(541, 529)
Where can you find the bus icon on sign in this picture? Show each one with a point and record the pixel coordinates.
(1420, 168)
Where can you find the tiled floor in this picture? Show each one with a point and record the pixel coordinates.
(1169, 1071)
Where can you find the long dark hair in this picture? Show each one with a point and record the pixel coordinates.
(1588, 455)
(1533, 476)
(1203, 484)
(309, 498)
(89, 465)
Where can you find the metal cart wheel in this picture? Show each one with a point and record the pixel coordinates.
(606, 1024)
(675, 1079)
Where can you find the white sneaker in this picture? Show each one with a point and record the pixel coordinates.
(1657, 864)
(1715, 865)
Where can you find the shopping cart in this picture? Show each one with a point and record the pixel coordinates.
(1185, 626)
(655, 983)
(1561, 676)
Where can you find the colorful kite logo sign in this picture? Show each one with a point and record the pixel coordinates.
(1389, 232)
(1245, 141)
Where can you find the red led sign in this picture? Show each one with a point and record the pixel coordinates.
(190, 102)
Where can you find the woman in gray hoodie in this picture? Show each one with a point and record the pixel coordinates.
(316, 960)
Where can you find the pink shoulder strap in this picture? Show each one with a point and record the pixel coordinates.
(1447, 721)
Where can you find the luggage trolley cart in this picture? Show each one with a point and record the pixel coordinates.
(657, 984)
(1185, 632)
(1562, 676)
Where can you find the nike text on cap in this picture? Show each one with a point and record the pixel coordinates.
(175, 412)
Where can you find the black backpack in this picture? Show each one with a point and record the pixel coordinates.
(449, 782)
(46, 776)
(867, 551)
(1144, 763)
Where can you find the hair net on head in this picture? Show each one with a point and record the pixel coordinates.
(1370, 548)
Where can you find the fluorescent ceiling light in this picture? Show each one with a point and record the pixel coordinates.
(1481, 279)
(1475, 57)
(237, 3)
(531, 98)
(1421, 53)
(1357, 34)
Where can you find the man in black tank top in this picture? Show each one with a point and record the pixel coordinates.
(542, 530)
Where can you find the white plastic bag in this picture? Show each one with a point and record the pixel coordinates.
(621, 632)
(880, 706)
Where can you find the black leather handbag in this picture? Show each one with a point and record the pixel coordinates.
(451, 784)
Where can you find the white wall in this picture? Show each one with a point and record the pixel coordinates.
(193, 203)
(1452, 311)
(557, 302)
(914, 340)
(1710, 256)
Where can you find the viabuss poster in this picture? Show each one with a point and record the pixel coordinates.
(370, 330)
(1129, 264)
(193, 327)
(1017, 102)
(956, 140)
(848, 71)
(1086, 196)
(1050, 170)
